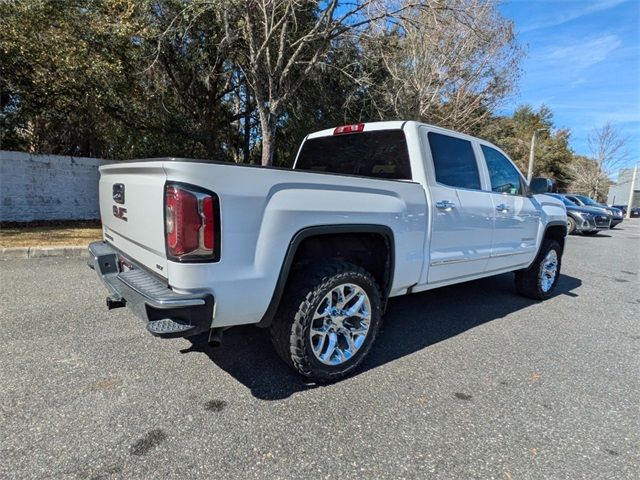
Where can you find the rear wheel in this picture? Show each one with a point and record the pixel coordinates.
(540, 279)
(329, 319)
(571, 225)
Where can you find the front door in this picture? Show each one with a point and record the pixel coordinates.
(462, 214)
(517, 220)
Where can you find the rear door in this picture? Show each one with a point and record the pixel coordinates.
(462, 214)
(517, 219)
(132, 211)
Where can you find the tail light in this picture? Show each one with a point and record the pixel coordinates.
(192, 223)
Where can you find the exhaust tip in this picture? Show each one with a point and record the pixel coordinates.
(215, 337)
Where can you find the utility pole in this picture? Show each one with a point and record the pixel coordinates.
(633, 186)
(532, 152)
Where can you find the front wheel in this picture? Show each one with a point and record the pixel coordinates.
(329, 319)
(571, 225)
(540, 279)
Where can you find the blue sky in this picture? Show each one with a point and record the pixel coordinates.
(583, 61)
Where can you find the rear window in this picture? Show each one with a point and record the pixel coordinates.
(379, 154)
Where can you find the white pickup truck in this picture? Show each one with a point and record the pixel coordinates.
(369, 211)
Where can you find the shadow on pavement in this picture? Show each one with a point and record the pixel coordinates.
(412, 322)
(597, 235)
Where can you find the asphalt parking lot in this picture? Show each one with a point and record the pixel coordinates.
(469, 381)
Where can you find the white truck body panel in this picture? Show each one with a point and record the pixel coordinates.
(141, 236)
(262, 210)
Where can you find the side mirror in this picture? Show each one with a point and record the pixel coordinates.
(540, 185)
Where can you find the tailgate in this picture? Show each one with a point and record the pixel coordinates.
(132, 211)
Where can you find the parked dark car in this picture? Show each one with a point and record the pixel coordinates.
(583, 201)
(635, 212)
(585, 220)
(623, 208)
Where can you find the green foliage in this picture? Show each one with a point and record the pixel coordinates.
(126, 78)
(553, 156)
(129, 79)
(88, 78)
(67, 75)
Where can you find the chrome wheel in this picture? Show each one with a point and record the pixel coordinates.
(549, 270)
(340, 324)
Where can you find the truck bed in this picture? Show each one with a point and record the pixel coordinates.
(261, 210)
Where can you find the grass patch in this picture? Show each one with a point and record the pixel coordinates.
(62, 235)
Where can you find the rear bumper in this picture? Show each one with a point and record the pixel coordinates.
(168, 314)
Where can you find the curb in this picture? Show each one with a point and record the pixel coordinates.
(7, 253)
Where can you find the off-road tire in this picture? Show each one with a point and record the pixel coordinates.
(571, 225)
(290, 327)
(529, 281)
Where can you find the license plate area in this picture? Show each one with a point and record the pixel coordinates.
(108, 264)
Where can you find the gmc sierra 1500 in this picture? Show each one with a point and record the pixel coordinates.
(369, 211)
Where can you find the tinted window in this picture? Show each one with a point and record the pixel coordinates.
(504, 176)
(564, 200)
(454, 161)
(381, 154)
(588, 201)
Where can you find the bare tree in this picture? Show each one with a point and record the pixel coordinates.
(449, 64)
(608, 150)
(284, 40)
(586, 174)
(453, 57)
(275, 45)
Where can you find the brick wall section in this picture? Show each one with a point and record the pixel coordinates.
(48, 187)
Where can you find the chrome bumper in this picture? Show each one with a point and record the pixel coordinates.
(168, 314)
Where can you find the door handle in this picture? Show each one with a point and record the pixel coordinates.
(445, 205)
(502, 208)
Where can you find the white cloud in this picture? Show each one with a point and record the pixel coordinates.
(579, 56)
(579, 11)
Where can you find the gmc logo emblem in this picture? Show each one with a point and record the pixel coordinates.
(118, 193)
(120, 212)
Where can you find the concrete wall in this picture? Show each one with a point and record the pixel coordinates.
(48, 187)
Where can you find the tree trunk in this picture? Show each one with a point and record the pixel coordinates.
(246, 146)
(246, 137)
(210, 130)
(268, 127)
